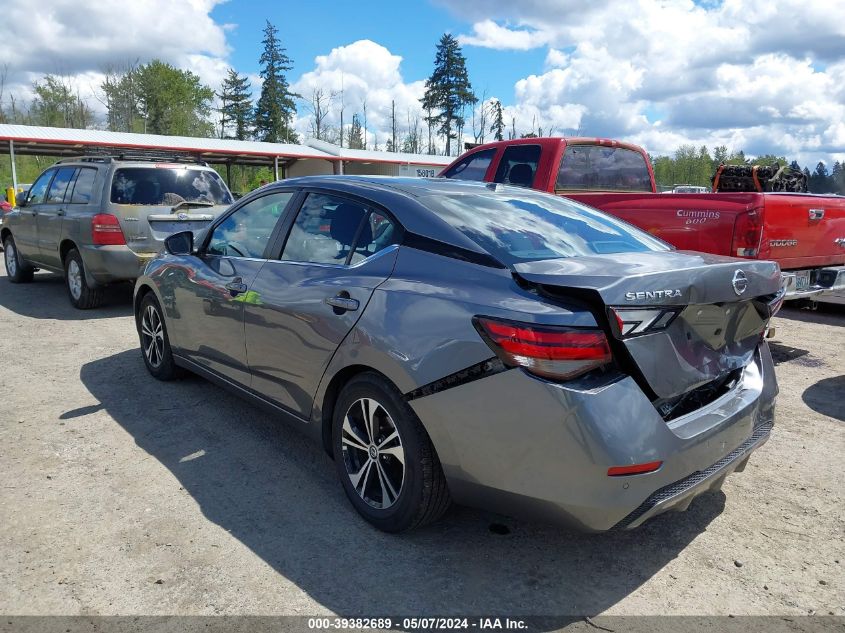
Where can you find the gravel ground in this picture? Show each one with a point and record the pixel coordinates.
(123, 495)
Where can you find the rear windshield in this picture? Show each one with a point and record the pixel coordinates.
(167, 186)
(516, 226)
(602, 168)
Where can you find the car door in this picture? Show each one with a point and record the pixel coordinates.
(210, 297)
(50, 216)
(25, 230)
(304, 302)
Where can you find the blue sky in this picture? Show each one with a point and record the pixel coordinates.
(409, 29)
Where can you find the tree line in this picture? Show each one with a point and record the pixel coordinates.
(691, 165)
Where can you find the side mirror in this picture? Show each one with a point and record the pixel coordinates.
(180, 243)
(21, 202)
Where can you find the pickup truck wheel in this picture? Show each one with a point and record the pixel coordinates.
(384, 458)
(82, 296)
(155, 344)
(16, 270)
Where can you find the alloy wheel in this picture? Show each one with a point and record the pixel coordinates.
(373, 453)
(152, 336)
(74, 279)
(11, 259)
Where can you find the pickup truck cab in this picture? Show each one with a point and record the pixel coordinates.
(99, 219)
(803, 233)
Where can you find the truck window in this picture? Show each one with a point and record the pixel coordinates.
(602, 168)
(518, 165)
(473, 167)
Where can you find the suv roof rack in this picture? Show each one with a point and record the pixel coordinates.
(103, 154)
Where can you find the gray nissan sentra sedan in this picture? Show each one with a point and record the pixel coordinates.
(487, 344)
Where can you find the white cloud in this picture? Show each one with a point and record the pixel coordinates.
(362, 71)
(81, 38)
(748, 74)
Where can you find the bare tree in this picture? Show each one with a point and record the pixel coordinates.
(480, 132)
(412, 143)
(393, 125)
(364, 105)
(319, 104)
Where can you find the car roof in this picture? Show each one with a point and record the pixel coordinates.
(413, 187)
(404, 198)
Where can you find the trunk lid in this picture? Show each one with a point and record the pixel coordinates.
(683, 318)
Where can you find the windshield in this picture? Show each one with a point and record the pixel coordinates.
(602, 168)
(516, 226)
(168, 186)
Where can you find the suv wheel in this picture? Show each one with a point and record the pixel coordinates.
(16, 270)
(155, 344)
(384, 458)
(82, 296)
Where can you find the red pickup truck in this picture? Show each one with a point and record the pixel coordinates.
(803, 233)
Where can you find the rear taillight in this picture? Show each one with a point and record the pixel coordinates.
(105, 230)
(557, 353)
(748, 232)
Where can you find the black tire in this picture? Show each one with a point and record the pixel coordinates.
(16, 270)
(158, 358)
(81, 295)
(423, 495)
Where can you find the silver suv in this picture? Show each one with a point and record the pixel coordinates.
(100, 219)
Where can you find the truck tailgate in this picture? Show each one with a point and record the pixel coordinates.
(694, 222)
(804, 230)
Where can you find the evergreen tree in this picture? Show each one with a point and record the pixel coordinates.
(235, 107)
(448, 90)
(498, 127)
(276, 106)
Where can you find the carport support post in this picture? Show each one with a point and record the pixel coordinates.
(275, 167)
(229, 175)
(14, 172)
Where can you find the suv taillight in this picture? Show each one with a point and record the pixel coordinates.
(557, 353)
(748, 232)
(105, 230)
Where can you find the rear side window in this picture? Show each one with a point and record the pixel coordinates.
(60, 183)
(518, 165)
(602, 168)
(167, 185)
(473, 167)
(38, 191)
(333, 230)
(532, 226)
(83, 187)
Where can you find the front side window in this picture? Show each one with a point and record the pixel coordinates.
(38, 191)
(473, 167)
(602, 168)
(534, 226)
(60, 183)
(518, 165)
(333, 230)
(247, 231)
(167, 185)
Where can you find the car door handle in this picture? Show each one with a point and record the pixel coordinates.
(60, 212)
(236, 287)
(342, 303)
(816, 214)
